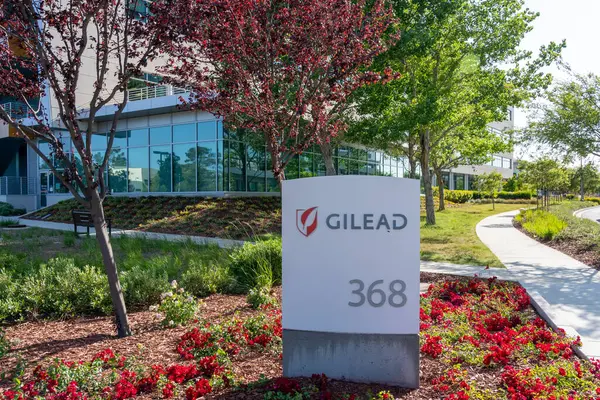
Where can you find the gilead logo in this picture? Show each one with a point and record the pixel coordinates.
(306, 220)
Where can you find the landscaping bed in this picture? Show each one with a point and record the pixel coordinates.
(228, 218)
(480, 339)
(240, 218)
(559, 229)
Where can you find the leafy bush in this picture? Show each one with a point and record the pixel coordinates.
(570, 196)
(7, 210)
(593, 199)
(203, 278)
(463, 196)
(4, 344)
(177, 308)
(540, 223)
(59, 288)
(458, 196)
(522, 195)
(143, 285)
(10, 302)
(260, 296)
(257, 264)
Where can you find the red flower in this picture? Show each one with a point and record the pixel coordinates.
(201, 388)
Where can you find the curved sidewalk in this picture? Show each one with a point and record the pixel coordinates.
(571, 288)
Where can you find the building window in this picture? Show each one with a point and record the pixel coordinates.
(459, 181)
(161, 160)
(184, 133)
(160, 135)
(506, 163)
(138, 9)
(138, 137)
(138, 177)
(497, 162)
(184, 167)
(207, 130)
(207, 166)
(117, 171)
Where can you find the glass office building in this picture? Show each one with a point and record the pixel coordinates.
(202, 157)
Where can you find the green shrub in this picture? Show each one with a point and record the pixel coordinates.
(10, 303)
(522, 195)
(143, 285)
(458, 196)
(540, 223)
(59, 288)
(7, 210)
(4, 344)
(593, 199)
(570, 196)
(177, 307)
(255, 263)
(202, 279)
(260, 296)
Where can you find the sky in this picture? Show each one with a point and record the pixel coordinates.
(577, 21)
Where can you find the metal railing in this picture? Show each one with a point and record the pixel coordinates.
(152, 92)
(18, 185)
(16, 109)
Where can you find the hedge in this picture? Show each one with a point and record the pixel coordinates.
(463, 196)
(7, 210)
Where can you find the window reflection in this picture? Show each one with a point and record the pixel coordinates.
(138, 169)
(160, 168)
(184, 167)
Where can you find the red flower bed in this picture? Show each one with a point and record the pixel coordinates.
(480, 339)
(486, 324)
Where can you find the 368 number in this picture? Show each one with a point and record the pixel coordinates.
(377, 297)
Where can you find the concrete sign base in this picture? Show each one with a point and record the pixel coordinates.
(373, 358)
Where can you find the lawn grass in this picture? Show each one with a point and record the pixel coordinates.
(454, 240)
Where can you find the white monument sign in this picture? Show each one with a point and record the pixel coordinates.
(351, 277)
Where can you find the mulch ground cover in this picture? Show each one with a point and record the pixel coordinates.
(480, 339)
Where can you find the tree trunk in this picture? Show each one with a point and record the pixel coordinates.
(412, 162)
(440, 180)
(429, 205)
(327, 153)
(110, 266)
(493, 203)
(581, 187)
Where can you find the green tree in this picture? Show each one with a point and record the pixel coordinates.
(461, 68)
(545, 175)
(568, 120)
(466, 146)
(514, 184)
(585, 179)
(490, 184)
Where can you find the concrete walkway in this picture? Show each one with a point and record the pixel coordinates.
(226, 243)
(591, 213)
(571, 288)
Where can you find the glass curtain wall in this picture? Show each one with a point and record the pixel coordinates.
(202, 157)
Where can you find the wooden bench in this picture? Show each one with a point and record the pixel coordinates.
(84, 218)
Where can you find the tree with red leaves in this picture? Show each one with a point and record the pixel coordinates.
(280, 68)
(44, 46)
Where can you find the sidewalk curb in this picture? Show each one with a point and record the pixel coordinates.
(582, 210)
(544, 309)
(201, 240)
